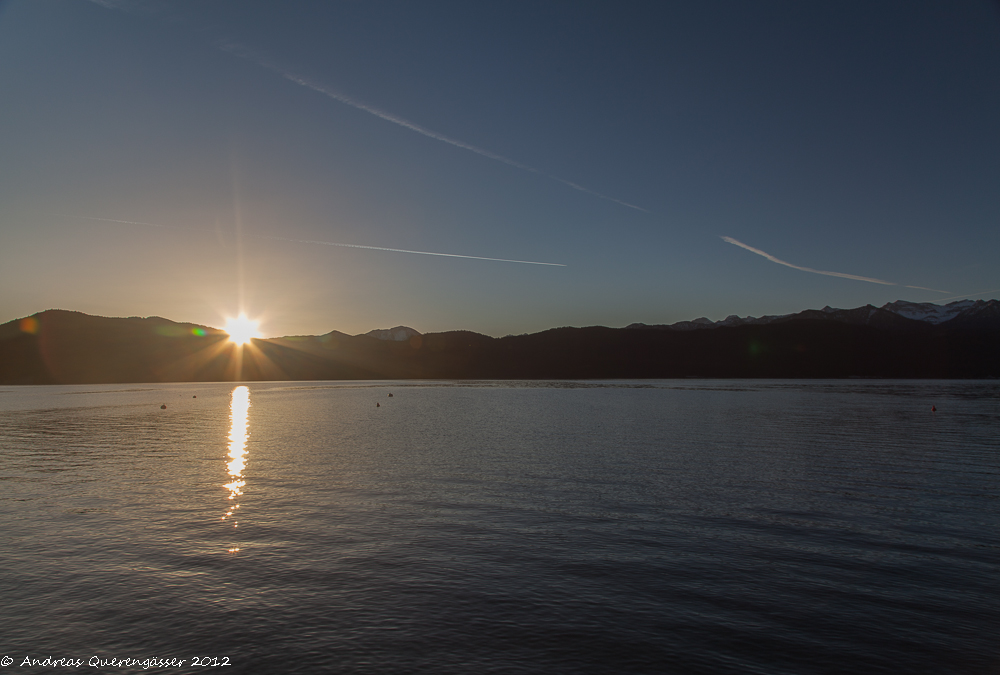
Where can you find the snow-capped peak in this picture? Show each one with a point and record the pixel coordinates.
(928, 311)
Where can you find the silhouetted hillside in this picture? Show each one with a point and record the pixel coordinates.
(58, 346)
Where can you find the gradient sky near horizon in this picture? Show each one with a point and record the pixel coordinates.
(191, 159)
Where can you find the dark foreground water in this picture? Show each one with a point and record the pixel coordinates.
(503, 527)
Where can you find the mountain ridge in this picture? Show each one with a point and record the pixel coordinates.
(964, 311)
(961, 341)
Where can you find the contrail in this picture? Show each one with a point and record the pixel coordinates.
(109, 220)
(244, 53)
(969, 295)
(403, 250)
(331, 243)
(870, 280)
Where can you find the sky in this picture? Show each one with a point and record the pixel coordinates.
(298, 161)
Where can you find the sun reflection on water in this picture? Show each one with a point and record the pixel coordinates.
(239, 413)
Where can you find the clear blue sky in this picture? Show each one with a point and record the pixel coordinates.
(860, 138)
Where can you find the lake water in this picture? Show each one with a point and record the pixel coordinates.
(503, 527)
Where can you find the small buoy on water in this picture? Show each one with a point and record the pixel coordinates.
(933, 409)
(163, 407)
(194, 397)
(390, 394)
(378, 405)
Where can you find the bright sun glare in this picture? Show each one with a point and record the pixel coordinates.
(241, 329)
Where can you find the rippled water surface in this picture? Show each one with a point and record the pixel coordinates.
(504, 527)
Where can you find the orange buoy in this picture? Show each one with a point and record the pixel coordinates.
(378, 405)
(163, 407)
(933, 409)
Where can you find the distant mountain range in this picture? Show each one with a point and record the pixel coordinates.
(898, 340)
(964, 313)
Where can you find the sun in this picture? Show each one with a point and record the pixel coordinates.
(241, 329)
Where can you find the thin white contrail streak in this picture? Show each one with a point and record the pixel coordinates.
(111, 220)
(244, 53)
(770, 257)
(969, 295)
(403, 250)
(332, 243)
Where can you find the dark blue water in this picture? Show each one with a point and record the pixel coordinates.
(504, 527)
